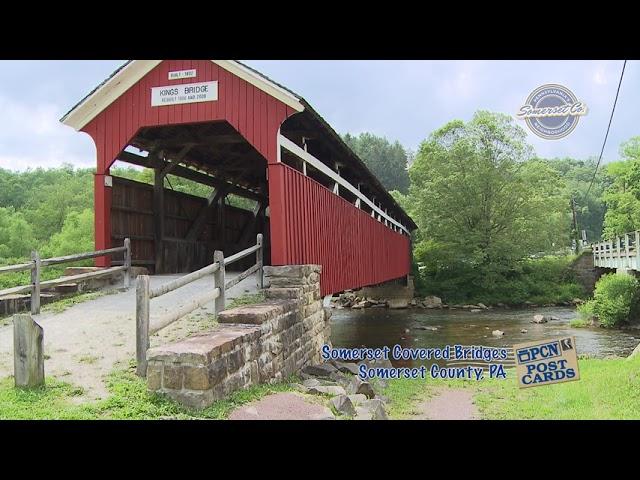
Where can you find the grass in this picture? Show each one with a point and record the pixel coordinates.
(246, 299)
(63, 304)
(579, 323)
(128, 399)
(607, 389)
(88, 359)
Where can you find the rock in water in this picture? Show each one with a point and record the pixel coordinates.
(398, 303)
(539, 319)
(497, 333)
(343, 404)
(524, 330)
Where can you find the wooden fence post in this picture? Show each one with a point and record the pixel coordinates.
(28, 354)
(219, 280)
(142, 324)
(35, 283)
(259, 261)
(127, 263)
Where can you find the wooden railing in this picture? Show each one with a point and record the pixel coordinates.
(36, 265)
(621, 252)
(147, 326)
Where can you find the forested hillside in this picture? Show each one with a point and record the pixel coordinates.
(485, 204)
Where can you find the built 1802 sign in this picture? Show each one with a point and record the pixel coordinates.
(552, 111)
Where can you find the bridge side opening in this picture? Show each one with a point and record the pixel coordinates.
(173, 231)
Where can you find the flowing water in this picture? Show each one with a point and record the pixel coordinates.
(378, 327)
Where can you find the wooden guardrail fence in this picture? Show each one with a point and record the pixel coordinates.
(36, 265)
(146, 326)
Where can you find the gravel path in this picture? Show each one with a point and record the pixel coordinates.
(449, 404)
(282, 406)
(85, 342)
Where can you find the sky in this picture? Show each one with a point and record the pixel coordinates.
(401, 100)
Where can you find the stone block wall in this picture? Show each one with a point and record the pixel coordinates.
(253, 344)
(586, 274)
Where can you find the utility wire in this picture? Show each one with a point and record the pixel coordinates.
(607, 134)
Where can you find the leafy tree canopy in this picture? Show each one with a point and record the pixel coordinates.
(386, 160)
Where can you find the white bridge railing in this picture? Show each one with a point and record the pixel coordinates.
(621, 252)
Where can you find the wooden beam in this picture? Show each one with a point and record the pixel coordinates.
(198, 224)
(222, 221)
(158, 217)
(192, 175)
(247, 229)
(173, 162)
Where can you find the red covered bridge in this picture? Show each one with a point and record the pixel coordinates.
(222, 124)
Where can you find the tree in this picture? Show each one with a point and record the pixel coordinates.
(16, 235)
(590, 206)
(76, 235)
(481, 201)
(386, 160)
(622, 197)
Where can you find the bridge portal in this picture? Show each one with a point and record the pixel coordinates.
(272, 165)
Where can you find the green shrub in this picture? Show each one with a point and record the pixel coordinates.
(542, 280)
(613, 298)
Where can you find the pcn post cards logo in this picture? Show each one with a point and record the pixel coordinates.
(552, 111)
(546, 362)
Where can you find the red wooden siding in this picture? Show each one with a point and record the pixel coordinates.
(310, 224)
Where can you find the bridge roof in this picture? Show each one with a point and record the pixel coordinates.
(132, 71)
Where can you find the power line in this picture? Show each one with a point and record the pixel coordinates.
(608, 127)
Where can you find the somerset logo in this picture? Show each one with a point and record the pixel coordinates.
(552, 111)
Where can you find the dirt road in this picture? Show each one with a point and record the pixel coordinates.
(85, 342)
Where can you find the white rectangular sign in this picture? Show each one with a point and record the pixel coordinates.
(179, 74)
(185, 93)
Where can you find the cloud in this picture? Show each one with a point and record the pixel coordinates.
(32, 136)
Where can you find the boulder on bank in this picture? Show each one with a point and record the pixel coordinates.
(359, 386)
(321, 370)
(343, 405)
(327, 390)
(431, 301)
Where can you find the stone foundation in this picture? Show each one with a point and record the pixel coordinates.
(260, 343)
(397, 293)
(586, 274)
